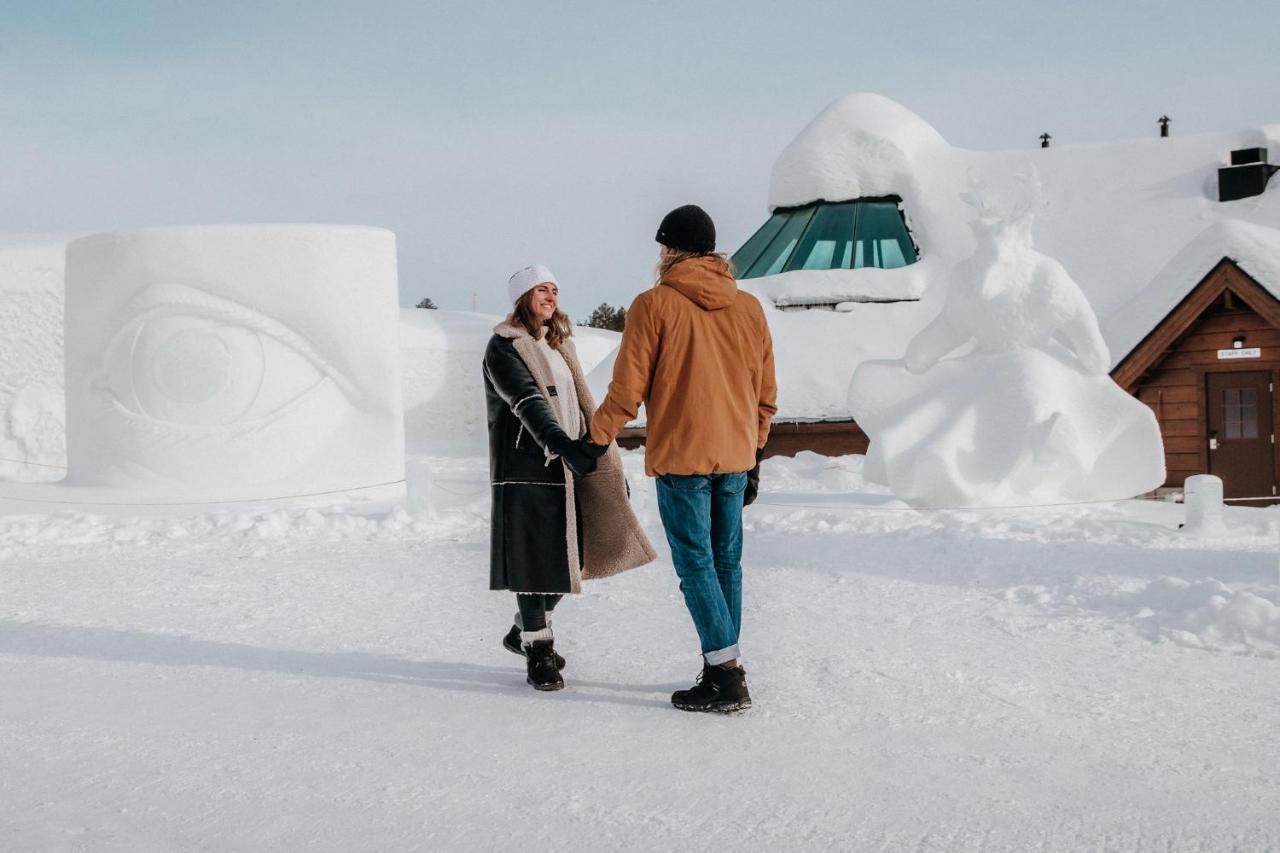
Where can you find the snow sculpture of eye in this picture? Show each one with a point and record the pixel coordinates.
(193, 358)
(233, 362)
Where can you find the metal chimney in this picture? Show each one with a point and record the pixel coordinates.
(1044, 140)
(1164, 126)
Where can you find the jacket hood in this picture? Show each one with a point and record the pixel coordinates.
(705, 281)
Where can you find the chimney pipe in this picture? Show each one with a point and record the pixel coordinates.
(1164, 126)
(1044, 140)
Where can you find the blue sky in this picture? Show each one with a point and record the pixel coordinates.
(493, 135)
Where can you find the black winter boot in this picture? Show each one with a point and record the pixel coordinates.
(541, 666)
(511, 643)
(718, 690)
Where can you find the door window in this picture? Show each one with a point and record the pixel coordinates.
(1240, 413)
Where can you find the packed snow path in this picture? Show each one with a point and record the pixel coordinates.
(322, 680)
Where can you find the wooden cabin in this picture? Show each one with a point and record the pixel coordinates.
(1208, 371)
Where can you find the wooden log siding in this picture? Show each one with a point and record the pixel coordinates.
(787, 438)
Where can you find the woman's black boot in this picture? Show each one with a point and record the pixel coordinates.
(511, 642)
(541, 665)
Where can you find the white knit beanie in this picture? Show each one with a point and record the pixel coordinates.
(527, 279)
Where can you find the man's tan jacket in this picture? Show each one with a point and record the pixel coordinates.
(696, 352)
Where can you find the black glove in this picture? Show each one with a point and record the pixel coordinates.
(753, 481)
(595, 451)
(579, 461)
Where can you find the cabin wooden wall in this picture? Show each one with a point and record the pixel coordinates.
(1175, 389)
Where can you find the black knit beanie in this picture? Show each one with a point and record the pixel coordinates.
(688, 229)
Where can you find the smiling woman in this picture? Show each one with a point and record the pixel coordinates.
(233, 362)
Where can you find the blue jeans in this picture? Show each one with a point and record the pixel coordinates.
(702, 517)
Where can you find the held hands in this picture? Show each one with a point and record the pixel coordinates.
(595, 451)
(583, 455)
(580, 455)
(753, 481)
(575, 457)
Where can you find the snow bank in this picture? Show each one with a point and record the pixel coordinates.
(233, 362)
(443, 384)
(1199, 613)
(444, 408)
(1206, 614)
(1029, 416)
(31, 399)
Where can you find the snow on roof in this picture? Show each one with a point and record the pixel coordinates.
(1255, 248)
(862, 145)
(1122, 218)
(825, 287)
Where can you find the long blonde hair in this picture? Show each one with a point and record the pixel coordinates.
(558, 327)
(677, 256)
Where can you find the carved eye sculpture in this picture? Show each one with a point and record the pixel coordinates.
(188, 357)
(233, 362)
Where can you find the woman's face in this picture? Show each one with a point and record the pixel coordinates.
(545, 298)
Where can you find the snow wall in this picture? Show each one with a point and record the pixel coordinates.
(233, 362)
(31, 404)
(444, 405)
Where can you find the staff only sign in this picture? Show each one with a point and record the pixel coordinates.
(1250, 352)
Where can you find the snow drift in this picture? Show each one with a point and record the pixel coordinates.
(443, 384)
(31, 407)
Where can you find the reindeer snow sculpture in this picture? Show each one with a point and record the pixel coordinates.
(1025, 415)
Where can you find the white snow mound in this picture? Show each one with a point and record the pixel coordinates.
(31, 408)
(442, 351)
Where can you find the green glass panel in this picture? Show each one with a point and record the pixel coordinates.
(844, 235)
(828, 241)
(882, 237)
(775, 255)
(751, 250)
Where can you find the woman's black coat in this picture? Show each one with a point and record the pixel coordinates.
(529, 551)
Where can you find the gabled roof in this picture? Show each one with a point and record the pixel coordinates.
(1254, 249)
(1226, 277)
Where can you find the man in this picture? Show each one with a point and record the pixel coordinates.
(697, 353)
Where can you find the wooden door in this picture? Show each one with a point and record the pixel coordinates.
(1241, 451)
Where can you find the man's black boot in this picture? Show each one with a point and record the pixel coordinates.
(718, 690)
(541, 666)
(511, 643)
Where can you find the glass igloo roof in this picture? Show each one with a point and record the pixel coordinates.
(870, 232)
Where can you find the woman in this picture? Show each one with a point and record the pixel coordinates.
(559, 516)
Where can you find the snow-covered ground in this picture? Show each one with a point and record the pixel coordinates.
(330, 678)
